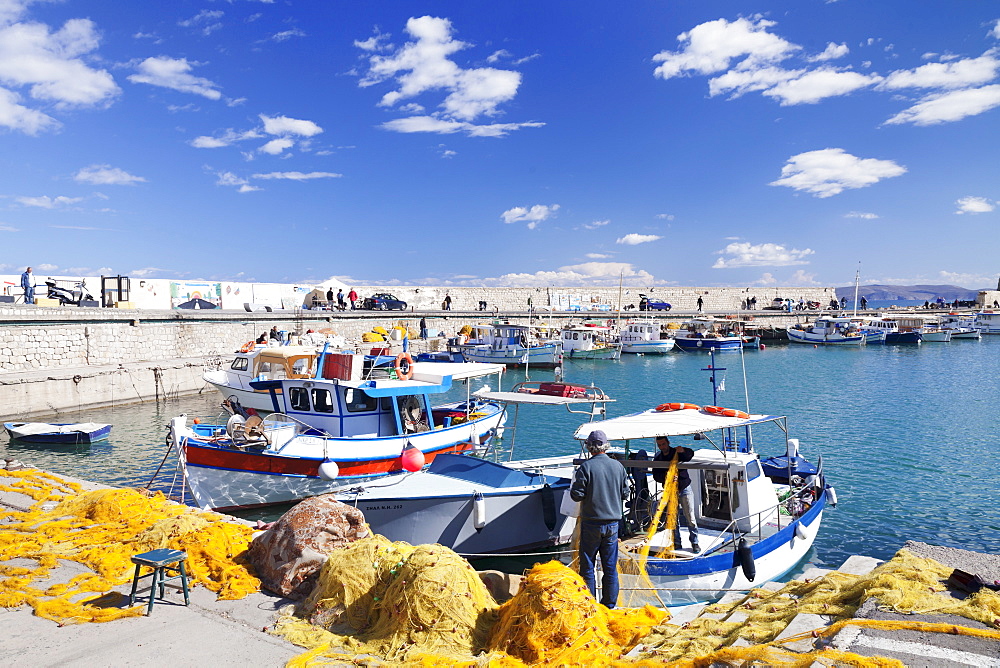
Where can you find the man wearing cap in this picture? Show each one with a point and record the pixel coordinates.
(600, 485)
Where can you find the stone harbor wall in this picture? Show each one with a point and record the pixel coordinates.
(561, 298)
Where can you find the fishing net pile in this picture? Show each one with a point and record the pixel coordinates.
(101, 530)
(905, 584)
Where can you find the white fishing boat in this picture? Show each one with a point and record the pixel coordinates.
(643, 337)
(833, 331)
(961, 326)
(589, 341)
(987, 322)
(262, 362)
(511, 345)
(932, 330)
(756, 519)
(479, 507)
(335, 429)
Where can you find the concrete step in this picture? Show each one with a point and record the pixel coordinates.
(802, 623)
(860, 565)
(684, 614)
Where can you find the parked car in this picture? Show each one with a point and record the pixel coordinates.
(653, 305)
(383, 301)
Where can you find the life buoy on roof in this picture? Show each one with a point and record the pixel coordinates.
(725, 412)
(404, 366)
(248, 346)
(663, 408)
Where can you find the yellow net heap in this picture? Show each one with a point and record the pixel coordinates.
(101, 530)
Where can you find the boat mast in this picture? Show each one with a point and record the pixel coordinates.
(621, 278)
(857, 279)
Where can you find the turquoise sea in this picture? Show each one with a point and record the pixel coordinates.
(909, 434)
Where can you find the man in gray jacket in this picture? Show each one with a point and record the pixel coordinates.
(600, 485)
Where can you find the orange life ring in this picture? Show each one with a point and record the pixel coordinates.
(725, 412)
(403, 373)
(663, 408)
(248, 346)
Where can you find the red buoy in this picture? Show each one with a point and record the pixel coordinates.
(412, 458)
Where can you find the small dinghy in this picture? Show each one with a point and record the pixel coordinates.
(72, 433)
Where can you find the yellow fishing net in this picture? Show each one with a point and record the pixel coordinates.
(392, 600)
(905, 584)
(101, 530)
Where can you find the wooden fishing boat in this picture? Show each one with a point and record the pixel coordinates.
(69, 433)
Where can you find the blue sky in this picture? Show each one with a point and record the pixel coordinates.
(518, 143)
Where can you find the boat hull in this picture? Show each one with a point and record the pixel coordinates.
(259, 400)
(514, 520)
(799, 336)
(548, 356)
(609, 353)
(648, 347)
(709, 577)
(66, 438)
(223, 477)
(720, 343)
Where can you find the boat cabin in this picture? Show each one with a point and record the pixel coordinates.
(584, 338)
(641, 331)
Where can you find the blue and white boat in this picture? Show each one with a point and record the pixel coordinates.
(66, 433)
(755, 523)
(511, 345)
(961, 326)
(896, 329)
(591, 342)
(642, 337)
(707, 333)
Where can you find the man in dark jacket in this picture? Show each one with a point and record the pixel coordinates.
(685, 496)
(600, 485)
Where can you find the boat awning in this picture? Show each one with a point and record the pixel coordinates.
(537, 399)
(651, 423)
(36, 428)
(435, 372)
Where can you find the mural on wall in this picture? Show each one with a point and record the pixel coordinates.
(195, 295)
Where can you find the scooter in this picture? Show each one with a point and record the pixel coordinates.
(74, 295)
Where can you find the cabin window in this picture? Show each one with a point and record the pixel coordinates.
(322, 401)
(360, 402)
(301, 366)
(298, 398)
(753, 470)
(240, 364)
(386, 404)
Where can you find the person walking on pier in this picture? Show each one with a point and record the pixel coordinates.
(685, 495)
(340, 299)
(329, 298)
(352, 297)
(600, 485)
(447, 302)
(423, 327)
(28, 284)
(701, 303)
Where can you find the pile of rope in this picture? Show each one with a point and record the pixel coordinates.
(102, 530)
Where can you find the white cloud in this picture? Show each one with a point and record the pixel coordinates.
(665, 216)
(276, 146)
(634, 239)
(50, 66)
(861, 214)
(534, 215)
(441, 126)
(745, 254)
(175, 74)
(100, 175)
(974, 205)
(988, 281)
(597, 256)
(206, 21)
(46, 202)
(766, 278)
(949, 107)
(951, 75)
(995, 31)
(208, 142)
(830, 171)
(229, 179)
(19, 117)
(817, 85)
(596, 224)
(298, 176)
(8, 228)
(587, 273)
(286, 35)
(832, 52)
(801, 277)
(283, 125)
(713, 46)
(424, 65)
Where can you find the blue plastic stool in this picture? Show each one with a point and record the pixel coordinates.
(167, 565)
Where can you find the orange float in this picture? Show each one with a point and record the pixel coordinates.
(663, 408)
(725, 412)
(404, 366)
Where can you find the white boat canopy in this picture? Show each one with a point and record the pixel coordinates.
(652, 423)
(539, 399)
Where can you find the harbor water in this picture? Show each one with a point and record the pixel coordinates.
(908, 434)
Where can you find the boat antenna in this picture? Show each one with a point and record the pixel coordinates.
(857, 279)
(621, 278)
(712, 368)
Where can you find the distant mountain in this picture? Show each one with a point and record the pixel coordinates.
(949, 293)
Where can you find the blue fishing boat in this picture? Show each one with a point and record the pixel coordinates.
(68, 433)
(707, 333)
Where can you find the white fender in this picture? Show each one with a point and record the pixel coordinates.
(800, 531)
(329, 470)
(478, 511)
(831, 496)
